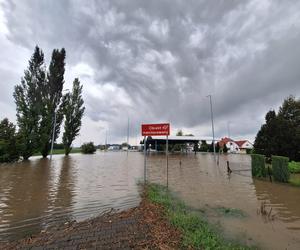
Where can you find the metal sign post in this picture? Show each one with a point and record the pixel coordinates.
(145, 169)
(155, 130)
(167, 156)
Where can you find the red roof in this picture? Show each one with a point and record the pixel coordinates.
(224, 141)
(240, 143)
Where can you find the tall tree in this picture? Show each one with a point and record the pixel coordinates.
(280, 133)
(8, 142)
(28, 98)
(52, 101)
(73, 110)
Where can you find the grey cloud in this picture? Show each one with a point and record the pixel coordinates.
(164, 57)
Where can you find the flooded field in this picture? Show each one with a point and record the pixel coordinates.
(241, 206)
(38, 193)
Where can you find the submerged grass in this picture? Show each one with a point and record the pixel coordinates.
(196, 232)
(231, 212)
(295, 180)
(62, 151)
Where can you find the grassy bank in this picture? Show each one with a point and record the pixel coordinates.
(196, 232)
(62, 151)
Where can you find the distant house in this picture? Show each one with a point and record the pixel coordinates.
(232, 146)
(244, 145)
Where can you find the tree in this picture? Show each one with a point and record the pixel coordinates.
(9, 150)
(179, 133)
(52, 104)
(280, 133)
(88, 148)
(28, 99)
(203, 146)
(73, 111)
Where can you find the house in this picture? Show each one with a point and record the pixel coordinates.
(244, 145)
(232, 146)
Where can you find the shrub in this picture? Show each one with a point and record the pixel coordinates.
(294, 167)
(258, 165)
(280, 168)
(9, 144)
(88, 148)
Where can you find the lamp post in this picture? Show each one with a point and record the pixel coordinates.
(53, 132)
(212, 124)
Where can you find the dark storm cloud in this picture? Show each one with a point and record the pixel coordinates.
(158, 60)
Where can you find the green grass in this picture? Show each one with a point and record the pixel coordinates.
(61, 151)
(294, 167)
(230, 212)
(295, 180)
(196, 231)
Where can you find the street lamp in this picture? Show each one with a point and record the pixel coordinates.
(212, 124)
(53, 132)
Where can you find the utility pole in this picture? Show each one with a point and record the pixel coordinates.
(106, 140)
(128, 135)
(212, 124)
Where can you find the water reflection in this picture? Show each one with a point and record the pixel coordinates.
(65, 188)
(38, 193)
(201, 183)
(24, 194)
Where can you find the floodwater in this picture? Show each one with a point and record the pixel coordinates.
(39, 193)
(207, 187)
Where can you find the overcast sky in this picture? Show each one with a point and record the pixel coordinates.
(156, 61)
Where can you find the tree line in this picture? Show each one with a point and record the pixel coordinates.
(41, 109)
(280, 134)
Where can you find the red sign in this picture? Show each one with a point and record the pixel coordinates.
(155, 129)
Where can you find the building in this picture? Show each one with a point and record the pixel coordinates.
(231, 145)
(244, 145)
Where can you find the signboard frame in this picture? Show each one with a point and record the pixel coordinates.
(156, 129)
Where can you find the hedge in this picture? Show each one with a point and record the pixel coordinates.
(280, 168)
(258, 165)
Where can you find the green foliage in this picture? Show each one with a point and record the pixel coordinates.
(9, 150)
(294, 167)
(258, 165)
(196, 147)
(230, 212)
(211, 147)
(179, 133)
(280, 135)
(51, 101)
(280, 168)
(196, 232)
(73, 110)
(28, 99)
(203, 146)
(295, 180)
(88, 148)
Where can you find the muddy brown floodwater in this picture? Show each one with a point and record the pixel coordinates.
(39, 193)
(204, 185)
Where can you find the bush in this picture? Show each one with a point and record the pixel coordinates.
(280, 168)
(294, 167)
(9, 145)
(88, 148)
(258, 165)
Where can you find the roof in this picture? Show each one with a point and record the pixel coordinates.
(182, 138)
(225, 140)
(240, 143)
